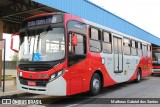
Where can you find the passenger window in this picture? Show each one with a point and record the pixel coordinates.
(127, 49)
(95, 44)
(94, 34)
(106, 37)
(139, 47)
(144, 49)
(106, 43)
(149, 50)
(133, 48)
(133, 44)
(80, 48)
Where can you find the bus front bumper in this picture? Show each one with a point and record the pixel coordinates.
(155, 71)
(56, 87)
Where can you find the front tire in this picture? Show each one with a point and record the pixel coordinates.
(152, 74)
(138, 78)
(95, 85)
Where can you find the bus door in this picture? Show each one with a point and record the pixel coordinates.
(118, 57)
(77, 63)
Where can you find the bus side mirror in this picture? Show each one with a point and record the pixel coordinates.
(74, 40)
(15, 42)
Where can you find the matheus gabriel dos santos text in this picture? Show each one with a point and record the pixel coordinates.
(131, 101)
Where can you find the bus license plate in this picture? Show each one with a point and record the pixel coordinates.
(31, 83)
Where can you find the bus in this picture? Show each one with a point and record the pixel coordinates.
(156, 60)
(61, 54)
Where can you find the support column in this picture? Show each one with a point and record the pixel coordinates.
(1, 36)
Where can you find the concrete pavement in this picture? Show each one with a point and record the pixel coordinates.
(10, 89)
(10, 71)
(10, 86)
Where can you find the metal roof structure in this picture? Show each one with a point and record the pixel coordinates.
(13, 12)
(92, 12)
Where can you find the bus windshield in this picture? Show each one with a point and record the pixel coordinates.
(42, 45)
(156, 56)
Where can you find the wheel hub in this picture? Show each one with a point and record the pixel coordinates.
(96, 84)
(139, 76)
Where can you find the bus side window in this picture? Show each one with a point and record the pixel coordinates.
(133, 48)
(95, 43)
(149, 50)
(78, 52)
(106, 42)
(144, 49)
(127, 44)
(139, 47)
(80, 49)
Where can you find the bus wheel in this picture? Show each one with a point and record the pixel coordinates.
(95, 85)
(152, 74)
(138, 78)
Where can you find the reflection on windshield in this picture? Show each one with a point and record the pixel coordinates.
(156, 57)
(39, 45)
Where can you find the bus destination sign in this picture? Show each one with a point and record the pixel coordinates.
(43, 20)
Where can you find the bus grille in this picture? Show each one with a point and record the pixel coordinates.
(41, 83)
(35, 67)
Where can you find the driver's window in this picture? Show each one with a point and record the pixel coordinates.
(77, 53)
(80, 49)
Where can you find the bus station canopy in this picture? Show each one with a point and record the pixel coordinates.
(92, 12)
(13, 12)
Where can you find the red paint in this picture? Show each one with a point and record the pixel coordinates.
(38, 15)
(76, 85)
(156, 67)
(11, 46)
(145, 65)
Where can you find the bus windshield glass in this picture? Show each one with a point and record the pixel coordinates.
(156, 56)
(42, 44)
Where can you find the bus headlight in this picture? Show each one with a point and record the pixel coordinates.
(56, 75)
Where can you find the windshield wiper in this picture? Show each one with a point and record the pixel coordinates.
(45, 31)
(29, 38)
(41, 35)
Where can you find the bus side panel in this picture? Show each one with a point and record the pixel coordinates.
(150, 67)
(75, 73)
(139, 65)
(146, 67)
(96, 65)
(145, 71)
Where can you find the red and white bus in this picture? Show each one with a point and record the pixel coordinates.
(61, 54)
(156, 59)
